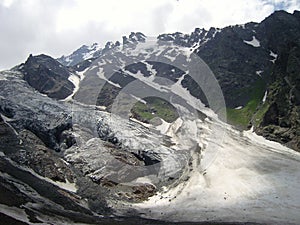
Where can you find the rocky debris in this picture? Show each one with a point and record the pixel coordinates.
(47, 76)
(28, 150)
(106, 134)
(42, 159)
(135, 193)
(143, 191)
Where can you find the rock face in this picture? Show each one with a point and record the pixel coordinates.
(281, 121)
(47, 76)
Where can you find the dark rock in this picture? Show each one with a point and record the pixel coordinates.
(47, 76)
(81, 54)
(281, 121)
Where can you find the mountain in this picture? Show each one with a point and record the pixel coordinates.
(136, 132)
(81, 54)
(47, 76)
(246, 60)
(93, 51)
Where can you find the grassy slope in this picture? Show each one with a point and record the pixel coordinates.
(155, 107)
(242, 117)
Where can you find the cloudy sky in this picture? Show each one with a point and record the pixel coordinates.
(58, 27)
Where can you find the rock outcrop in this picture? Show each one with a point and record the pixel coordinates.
(47, 76)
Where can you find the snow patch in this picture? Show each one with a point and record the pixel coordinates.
(274, 55)
(259, 72)
(254, 42)
(82, 74)
(76, 81)
(139, 122)
(265, 97)
(101, 75)
(139, 99)
(92, 50)
(242, 26)
(163, 127)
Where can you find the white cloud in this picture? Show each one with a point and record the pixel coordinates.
(58, 27)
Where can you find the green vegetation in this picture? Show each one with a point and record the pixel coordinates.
(155, 107)
(258, 116)
(242, 117)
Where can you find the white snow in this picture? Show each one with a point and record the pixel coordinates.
(259, 72)
(82, 74)
(67, 59)
(92, 49)
(187, 53)
(139, 99)
(265, 97)
(274, 55)
(2, 77)
(218, 30)
(150, 68)
(252, 179)
(163, 127)
(76, 81)
(171, 58)
(254, 42)
(147, 80)
(101, 75)
(178, 89)
(139, 122)
(242, 26)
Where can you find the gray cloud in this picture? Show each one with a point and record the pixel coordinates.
(24, 27)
